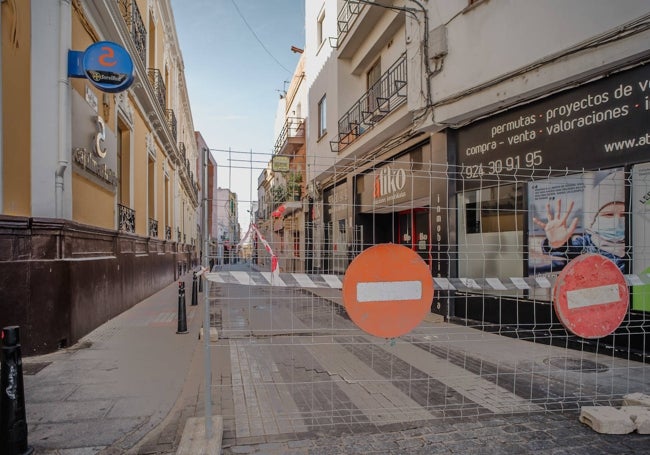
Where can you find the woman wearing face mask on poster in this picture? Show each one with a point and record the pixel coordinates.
(604, 234)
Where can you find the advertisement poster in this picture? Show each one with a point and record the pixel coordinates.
(574, 215)
(641, 234)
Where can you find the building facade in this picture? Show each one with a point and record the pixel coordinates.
(281, 184)
(226, 231)
(419, 133)
(99, 193)
(550, 118)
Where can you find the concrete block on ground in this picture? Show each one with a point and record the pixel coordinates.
(606, 420)
(640, 415)
(194, 442)
(214, 335)
(636, 399)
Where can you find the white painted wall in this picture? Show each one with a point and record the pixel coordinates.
(493, 39)
(46, 51)
(321, 80)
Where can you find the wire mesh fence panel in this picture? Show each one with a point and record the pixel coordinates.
(501, 244)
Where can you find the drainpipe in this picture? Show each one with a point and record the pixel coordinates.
(64, 105)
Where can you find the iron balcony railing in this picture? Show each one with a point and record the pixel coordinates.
(385, 95)
(126, 218)
(346, 18)
(171, 122)
(294, 127)
(168, 233)
(133, 20)
(153, 227)
(158, 84)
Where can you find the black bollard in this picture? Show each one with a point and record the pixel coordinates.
(201, 283)
(195, 297)
(13, 422)
(182, 317)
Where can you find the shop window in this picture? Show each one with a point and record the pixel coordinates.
(499, 209)
(491, 232)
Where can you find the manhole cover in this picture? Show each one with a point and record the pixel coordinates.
(570, 364)
(31, 369)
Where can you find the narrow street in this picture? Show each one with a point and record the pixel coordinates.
(293, 363)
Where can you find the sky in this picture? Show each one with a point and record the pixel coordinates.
(237, 55)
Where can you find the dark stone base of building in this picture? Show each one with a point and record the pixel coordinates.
(59, 280)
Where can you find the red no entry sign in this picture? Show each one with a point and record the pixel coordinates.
(387, 290)
(591, 296)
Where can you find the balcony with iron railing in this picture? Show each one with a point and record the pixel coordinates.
(357, 22)
(345, 20)
(171, 123)
(133, 19)
(386, 95)
(158, 84)
(291, 137)
(153, 227)
(126, 218)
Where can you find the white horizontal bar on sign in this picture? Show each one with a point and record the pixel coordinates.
(599, 295)
(389, 290)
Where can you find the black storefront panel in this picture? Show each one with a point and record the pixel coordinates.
(585, 135)
(601, 124)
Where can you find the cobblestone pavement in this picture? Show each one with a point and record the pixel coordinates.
(548, 433)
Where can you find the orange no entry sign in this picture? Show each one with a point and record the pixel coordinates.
(387, 290)
(590, 296)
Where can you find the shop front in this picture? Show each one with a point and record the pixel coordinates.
(542, 184)
(402, 200)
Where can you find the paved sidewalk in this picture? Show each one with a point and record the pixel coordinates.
(117, 384)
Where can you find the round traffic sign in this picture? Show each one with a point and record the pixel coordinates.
(387, 290)
(590, 296)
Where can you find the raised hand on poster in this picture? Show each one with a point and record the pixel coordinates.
(556, 229)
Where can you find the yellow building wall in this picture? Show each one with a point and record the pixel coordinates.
(140, 168)
(91, 203)
(16, 101)
(160, 193)
(96, 211)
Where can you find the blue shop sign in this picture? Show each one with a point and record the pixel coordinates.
(107, 65)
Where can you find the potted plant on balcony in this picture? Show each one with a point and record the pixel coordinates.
(294, 186)
(279, 194)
